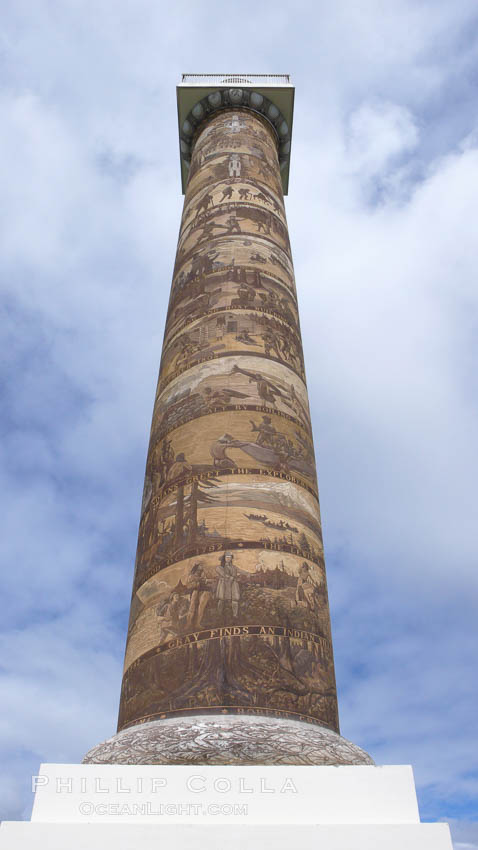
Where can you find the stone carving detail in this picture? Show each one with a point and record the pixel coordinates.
(227, 740)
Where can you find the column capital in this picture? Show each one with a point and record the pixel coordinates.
(200, 96)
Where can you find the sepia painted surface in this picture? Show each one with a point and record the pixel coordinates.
(261, 443)
(235, 383)
(237, 511)
(229, 610)
(228, 289)
(231, 332)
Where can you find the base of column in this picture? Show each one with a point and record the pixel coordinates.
(97, 807)
(38, 836)
(227, 739)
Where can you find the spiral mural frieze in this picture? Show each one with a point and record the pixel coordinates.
(229, 612)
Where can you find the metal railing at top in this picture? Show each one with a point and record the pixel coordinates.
(236, 79)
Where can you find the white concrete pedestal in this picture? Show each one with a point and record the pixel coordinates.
(129, 807)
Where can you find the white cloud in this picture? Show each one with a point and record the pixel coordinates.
(378, 133)
(394, 332)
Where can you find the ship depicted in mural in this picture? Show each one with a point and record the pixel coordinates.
(229, 612)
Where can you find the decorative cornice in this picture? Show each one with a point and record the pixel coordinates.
(234, 98)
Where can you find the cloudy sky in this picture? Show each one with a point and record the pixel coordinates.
(382, 209)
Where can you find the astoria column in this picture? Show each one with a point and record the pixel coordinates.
(229, 652)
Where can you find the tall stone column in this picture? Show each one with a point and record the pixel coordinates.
(229, 652)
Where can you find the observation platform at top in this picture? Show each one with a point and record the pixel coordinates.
(269, 95)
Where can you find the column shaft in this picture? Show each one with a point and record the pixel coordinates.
(229, 611)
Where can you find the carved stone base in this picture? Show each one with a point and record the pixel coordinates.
(227, 739)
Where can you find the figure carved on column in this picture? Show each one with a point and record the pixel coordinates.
(230, 600)
(229, 635)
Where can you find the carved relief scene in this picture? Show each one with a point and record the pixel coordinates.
(224, 167)
(255, 587)
(233, 131)
(219, 195)
(264, 600)
(236, 288)
(234, 331)
(233, 219)
(236, 383)
(225, 255)
(229, 609)
(238, 512)
(243, 250)
(264, 442)
(266, 669)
